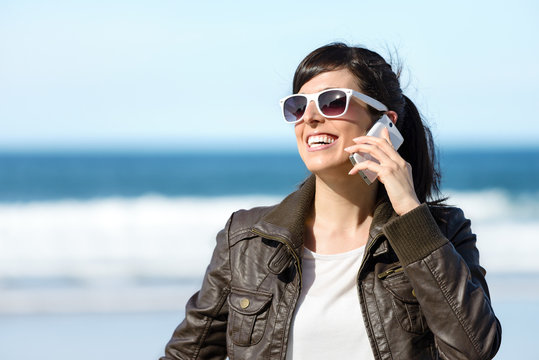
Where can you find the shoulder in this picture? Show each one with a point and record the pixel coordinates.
(243, 220)
(450, 219)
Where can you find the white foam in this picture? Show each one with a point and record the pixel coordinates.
(107, 246)
(118, 239)
(114, 238)
(495, 205)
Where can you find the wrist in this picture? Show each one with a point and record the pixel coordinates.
(408, 206)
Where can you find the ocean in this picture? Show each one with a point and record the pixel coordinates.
(100, 251)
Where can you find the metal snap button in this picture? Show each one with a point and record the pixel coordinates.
(244, 303)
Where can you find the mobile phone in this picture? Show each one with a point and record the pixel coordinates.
(376, 130)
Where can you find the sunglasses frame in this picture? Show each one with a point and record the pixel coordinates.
(348, 92)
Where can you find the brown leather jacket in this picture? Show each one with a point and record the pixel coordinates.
(421, 290)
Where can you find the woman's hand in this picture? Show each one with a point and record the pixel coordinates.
(393, 171)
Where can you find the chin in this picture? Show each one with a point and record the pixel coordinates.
(320, 167)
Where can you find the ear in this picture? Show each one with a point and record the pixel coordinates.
(392, 116)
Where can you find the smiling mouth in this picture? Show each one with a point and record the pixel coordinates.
(316, 141)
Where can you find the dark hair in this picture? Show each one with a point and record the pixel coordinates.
(377, 79)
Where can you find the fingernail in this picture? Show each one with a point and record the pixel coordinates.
(347, 149)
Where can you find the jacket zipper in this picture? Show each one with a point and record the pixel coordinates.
(376, 351)
(284, 241)
(393, 270)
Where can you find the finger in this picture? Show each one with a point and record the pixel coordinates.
(384, 143)
(373, 150)
(351, 149)
(366, 165)
(364, 140)
(380, 141)
(356, 148)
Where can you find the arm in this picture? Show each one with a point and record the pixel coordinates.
(442, 266)
(448, 282)
(202, 334)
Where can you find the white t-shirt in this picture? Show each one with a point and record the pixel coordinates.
(327, 322)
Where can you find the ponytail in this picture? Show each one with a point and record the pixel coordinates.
(418, 150)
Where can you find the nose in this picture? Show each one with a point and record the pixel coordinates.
(312, 115)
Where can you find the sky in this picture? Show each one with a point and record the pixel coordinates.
(208, 75)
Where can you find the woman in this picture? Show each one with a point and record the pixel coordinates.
(341, 269)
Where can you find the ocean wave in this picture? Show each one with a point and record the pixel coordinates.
(495, 205)
(507, 227)
(154, 238)
(99, 240)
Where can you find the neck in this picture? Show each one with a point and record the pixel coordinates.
(344, 203)
(342, 214)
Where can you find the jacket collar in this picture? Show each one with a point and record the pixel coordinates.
(287, 220)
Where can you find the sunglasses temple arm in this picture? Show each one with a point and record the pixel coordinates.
(370, 101)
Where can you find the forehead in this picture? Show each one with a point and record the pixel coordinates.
(342, 78)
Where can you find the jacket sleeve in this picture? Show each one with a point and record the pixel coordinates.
(442, 264)
(202, 334)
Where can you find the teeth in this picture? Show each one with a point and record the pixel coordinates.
(320, 140)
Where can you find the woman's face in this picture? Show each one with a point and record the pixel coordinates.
(329, 137)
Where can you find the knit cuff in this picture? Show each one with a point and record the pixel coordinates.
(414, 235)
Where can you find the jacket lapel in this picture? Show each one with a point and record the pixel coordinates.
(286, 221)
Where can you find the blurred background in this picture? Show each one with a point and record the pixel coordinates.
(130, 130)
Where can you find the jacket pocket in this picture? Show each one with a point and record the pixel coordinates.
(405, 305)
(247, 316)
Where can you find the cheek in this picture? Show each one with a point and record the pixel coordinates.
(298, 130)
(361, 126)
(352, 129)
(362, 119)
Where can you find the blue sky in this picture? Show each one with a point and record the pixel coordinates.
(208, 74)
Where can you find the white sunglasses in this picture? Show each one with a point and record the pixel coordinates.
(331, 103)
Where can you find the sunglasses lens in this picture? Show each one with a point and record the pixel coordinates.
(332, 102)
(294, 108)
